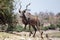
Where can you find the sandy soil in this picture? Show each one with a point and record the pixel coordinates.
(25, 36)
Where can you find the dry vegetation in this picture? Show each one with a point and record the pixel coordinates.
(9, 19)
(25, 36)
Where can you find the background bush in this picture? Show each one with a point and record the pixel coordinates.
(45, 28)
(51, 27)
(18, 28)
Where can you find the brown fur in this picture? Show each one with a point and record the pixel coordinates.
(31, 20)
(34, 22)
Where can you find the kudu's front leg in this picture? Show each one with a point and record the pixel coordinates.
(30, 30)
(24, 27)
(34, 30)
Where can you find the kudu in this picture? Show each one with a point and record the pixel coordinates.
(31, 20)
(22, 15)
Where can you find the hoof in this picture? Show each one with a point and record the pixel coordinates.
(29, 35)
(33, 35)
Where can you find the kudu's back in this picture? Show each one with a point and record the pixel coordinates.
(33, 20)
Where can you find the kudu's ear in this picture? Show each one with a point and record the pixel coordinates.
(24, 11)
(19, 11)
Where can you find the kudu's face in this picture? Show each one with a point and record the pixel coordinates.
(22, 12)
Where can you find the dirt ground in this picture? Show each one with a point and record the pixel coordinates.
(25, 36)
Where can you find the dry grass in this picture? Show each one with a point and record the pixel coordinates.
(25, 36)
(55, 34)
(22, 36)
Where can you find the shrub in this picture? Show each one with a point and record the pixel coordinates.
(58, 25)
(18, 28)
(52, 27)
(27, 29)
(45, 28)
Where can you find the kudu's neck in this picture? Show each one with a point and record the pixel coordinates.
(24, 17)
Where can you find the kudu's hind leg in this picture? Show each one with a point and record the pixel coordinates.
(42, 34)
(40, 31)
(35, 30)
